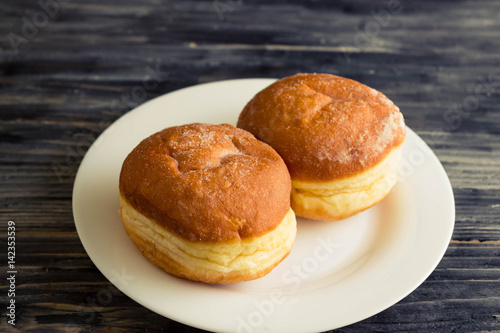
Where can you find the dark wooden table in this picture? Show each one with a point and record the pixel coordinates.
(70, 68)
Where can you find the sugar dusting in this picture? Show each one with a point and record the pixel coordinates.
(387, 135)
(350, 142)
(201, 148)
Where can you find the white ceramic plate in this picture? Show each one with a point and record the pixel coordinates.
(337, 273)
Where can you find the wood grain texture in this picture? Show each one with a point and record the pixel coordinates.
(64, 82)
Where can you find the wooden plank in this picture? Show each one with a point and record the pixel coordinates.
(438, 61)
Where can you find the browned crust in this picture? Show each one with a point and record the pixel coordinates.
(325, 127)
(208, 183)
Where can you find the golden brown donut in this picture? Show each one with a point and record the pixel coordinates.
(208, 203)
(340, 139)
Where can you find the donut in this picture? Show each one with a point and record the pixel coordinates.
(208, 203)
(340, 139)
